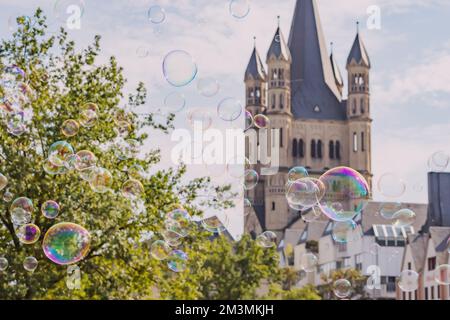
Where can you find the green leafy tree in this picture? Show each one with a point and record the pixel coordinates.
(119, 264)
(357, 280)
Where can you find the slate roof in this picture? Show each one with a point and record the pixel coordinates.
(255, 67)
(336, 71)
(418, 244)
(278, 47)
(358, 53)
(313, 81)
(439, 199)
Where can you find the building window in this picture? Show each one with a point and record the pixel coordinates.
(439, 292)
(338, 150)
(273, 206)
(281, 137)
(281, 101)
(363, 144)
(294, 148)
(432, 292)
(404, 295)
(355, 142)
(409, 266)
(426, 293)
(273, 101)
(331, 149)
(363, 108)
(415, 294)
(319, 149)
(431, 263)
(301, 148)
(354, 108)
(410, 296)
(313, 149)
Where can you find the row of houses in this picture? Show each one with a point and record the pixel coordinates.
(379, 249)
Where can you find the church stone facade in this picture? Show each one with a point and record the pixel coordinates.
(300, 89)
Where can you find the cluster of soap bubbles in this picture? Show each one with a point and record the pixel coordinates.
(178, 224)
(15, 97)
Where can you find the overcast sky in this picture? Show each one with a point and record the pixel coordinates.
(410, 56)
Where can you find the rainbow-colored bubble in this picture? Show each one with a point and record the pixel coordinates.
(66, 243)
(28, 233)
(346, 187)
(50, 209)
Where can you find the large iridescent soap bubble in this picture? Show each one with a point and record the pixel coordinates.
(66, 243)
(100, 180)
(305, 192)
(177, 261)
(132, 189)
(347, 193)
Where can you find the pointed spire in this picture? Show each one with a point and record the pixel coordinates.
(278, 47)
(255, 68)
(358, 53)
(313, 81)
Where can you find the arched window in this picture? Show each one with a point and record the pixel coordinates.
(301, 148)
(338, 150)
(294, 148)
(363, 107)
(355, 142)
(331, 149)
(273, 102)
(281, 137)
(273, 206)
(363, 144)
(354, 107)
(281, 101)
(319, 149)
(313, 149)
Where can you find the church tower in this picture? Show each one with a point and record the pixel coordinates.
(279, 113)
(255, 84)
(358, 108)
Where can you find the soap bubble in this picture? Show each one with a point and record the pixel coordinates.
(70, 128)
(3, 182)
(50, 209)
(229, 109)
(438, 161)
(16, 124)
(30, 264)
(88, 118)
(174, 102)
(136, 171)
(160, 250)
(404, 218)
(86, 159)
(261, 121)
(251, 179)
(172, 238)
(346, 187)
(266, 239)
(132, 189)
(59, 152)
(52, 169)
(343, 231)
(442, 274)
(142, 51)
(156, 14)
(178, 221)
(66, 243)
(200, 117)
(177, 261)
(408, 281)
(208, 87)
(308, 262)
(305, 192)
(297, 173)
(90, 106)
(8, 196)
(311, 214)
(214, 224)
(21, 210)
(28, 233)
(342, 288)
(3, 264)
(179, 68)
(387, 210)
(247, 207)
(71, 161)
(392, 186)
(239, 9)
(100, 180)
(248, 120)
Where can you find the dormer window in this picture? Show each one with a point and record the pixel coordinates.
(316, 109)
